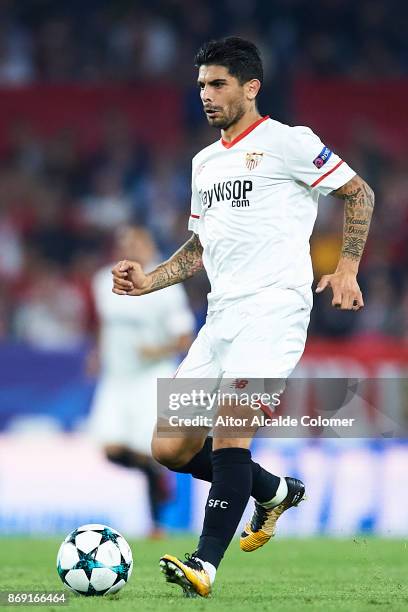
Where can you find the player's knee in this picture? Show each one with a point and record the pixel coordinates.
(171, 453)
(165, 454)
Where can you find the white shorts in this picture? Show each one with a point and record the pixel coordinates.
(247, 349)
(261, 336)
(124, 410)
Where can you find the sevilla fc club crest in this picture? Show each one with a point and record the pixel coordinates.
(252, 160)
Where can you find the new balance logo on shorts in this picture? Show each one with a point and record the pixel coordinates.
(239, 383)
(220, 503)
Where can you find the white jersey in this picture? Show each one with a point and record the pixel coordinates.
(128, 324)
(254, 204)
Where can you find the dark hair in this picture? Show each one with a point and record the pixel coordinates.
(241, 57)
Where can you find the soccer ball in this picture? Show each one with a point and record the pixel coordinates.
(94, 560)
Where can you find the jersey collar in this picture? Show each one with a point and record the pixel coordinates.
(249, 129)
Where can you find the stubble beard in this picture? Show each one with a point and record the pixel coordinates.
(223, 123)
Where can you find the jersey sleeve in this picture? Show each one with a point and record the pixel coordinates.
(308, 160)
(195, 214)
(179, 319)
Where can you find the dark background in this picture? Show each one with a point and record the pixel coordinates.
(99, 119)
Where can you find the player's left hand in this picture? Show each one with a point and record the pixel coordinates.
(346, 292)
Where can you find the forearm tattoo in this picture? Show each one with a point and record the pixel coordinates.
(182, 265)
(359, 204)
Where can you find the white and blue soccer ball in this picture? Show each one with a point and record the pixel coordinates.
(94, 560)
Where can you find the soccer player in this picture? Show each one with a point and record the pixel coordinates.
(253, 207)
(138, 342)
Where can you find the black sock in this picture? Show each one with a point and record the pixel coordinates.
(227, 499)
(200, 465)
(124, 457)
(130, 459)
(153, 476)
(264, 484)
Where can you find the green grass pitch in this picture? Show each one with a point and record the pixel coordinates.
(287, 575)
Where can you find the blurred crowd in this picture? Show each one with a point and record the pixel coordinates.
(102, 39)
(60, 203)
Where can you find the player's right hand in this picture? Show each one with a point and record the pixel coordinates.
(129, 279)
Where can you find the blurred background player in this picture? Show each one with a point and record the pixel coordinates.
(137, 343)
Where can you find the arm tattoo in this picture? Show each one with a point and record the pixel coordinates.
(359, 204)
(182, 265)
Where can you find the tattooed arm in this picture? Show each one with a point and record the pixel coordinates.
(359, 203)
(129, 278)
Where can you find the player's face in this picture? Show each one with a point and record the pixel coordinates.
(223, 97)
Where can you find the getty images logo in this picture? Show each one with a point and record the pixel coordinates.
(220, 503)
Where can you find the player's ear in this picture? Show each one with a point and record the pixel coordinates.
(252, 88)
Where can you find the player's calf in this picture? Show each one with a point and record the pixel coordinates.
(177, 451)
